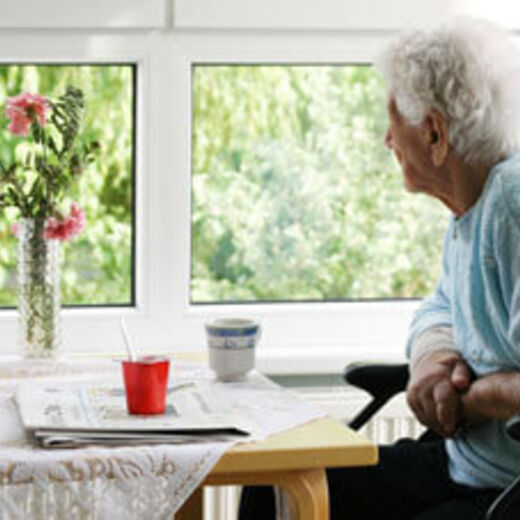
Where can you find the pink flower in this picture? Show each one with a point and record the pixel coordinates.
(14, 228)
(19, 110)
(68, 228)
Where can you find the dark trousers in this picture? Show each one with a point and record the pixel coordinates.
(411, 481)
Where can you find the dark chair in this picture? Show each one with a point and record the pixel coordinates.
(382, 382)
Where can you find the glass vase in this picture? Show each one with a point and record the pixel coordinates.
(39, 300)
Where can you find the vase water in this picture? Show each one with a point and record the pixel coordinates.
(39, 299)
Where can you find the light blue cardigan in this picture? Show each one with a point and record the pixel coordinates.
(479, 296)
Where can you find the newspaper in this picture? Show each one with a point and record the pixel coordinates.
(72, 415)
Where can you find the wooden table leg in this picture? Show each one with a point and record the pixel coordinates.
(308, 493)
(193, 508)
(307, 489)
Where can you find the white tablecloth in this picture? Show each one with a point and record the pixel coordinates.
(124, 483)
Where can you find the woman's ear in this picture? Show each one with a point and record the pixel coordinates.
(436, 136)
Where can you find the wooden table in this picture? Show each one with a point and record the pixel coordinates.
(295, 461)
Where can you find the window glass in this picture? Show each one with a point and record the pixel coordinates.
(294, 195)
(98, 264)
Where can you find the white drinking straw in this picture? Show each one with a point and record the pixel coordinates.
(128, 342)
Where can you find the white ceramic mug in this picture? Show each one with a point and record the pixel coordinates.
(232, 343)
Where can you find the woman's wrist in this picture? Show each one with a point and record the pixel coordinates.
(432, 340)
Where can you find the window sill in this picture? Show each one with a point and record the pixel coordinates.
(330, 361)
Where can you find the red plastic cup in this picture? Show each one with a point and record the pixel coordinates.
(146, 382)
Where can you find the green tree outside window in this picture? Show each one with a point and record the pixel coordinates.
(294, 195)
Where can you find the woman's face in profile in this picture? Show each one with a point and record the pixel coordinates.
(411, 150)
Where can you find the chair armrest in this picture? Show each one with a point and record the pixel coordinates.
(513, 427)
(507, 504)
(378, 379)
(382, 382)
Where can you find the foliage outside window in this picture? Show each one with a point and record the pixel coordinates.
(98, 265)
(295, 196)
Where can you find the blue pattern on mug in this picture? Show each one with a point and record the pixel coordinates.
(214, 331)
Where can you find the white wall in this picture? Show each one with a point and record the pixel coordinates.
(322, 14)
(73, 14)
(247, 14)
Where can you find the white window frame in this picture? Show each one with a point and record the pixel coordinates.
(297, 337)
(317, 337)
(90, 330)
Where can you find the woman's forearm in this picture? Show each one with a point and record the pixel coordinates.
(495, 396)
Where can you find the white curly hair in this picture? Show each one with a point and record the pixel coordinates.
(468, 70)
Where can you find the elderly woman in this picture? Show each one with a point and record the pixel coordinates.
(454, 126)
